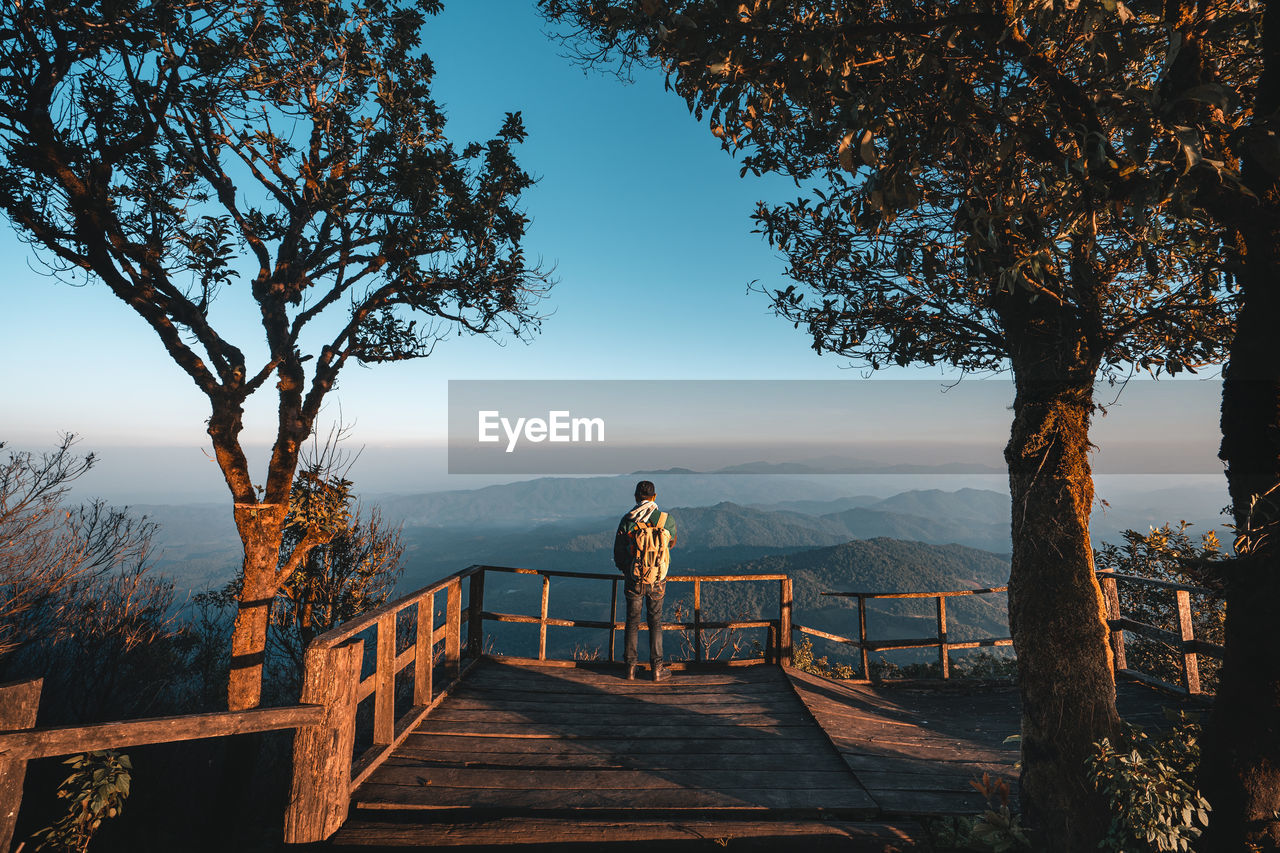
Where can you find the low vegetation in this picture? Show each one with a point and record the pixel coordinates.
(1149, 781)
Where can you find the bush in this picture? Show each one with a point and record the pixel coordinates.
(96, 789)
(803, 660)
(1148, 783)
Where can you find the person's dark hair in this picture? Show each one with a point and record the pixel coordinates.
(645, 489)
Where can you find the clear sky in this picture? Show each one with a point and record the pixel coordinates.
(643, 217)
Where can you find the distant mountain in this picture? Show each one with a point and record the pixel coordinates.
(196, 544)
(841, 465)
(974, 517)
(821, 507)
(708, 537)
(978, 505)
(883, 564)
(552, 499)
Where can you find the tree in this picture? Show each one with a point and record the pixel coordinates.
(991, 189)
(169, 149)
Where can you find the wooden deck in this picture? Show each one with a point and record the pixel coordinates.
(534, 755)
(528, 737)
(916, 746)
(537, 753)
(527, 754)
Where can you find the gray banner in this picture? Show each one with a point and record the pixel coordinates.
(855, 426)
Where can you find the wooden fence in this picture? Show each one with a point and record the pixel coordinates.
(21, 742)
(940, 639)
(1183, 640)
(325, 769)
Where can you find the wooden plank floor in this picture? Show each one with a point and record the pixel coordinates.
(916, 747)
(751, 758)
(528, 738)
(559, 758)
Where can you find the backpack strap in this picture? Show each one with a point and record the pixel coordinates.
(662, 520)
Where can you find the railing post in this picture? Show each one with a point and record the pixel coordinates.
(19, 702)
(475, 622)
(424, 649)
(862, 635)
(542, 618)
(320, 794)
(1112, 595)
(1187, 632)
(784, 622)
(613, 620)
(384, 680)
(771, 650)
(697, 621)
(944, 659)
(453, 629)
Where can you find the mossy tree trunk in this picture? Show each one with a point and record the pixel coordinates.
(260, 518)
(1056, 609)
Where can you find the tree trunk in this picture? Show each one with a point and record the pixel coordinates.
(261, 529)
(1056, 609)
(1240, 773)
(1241, 776)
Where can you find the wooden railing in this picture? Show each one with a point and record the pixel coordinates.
(325, 768)
(21, 742)
(778, 647)
(1184, 639)
(1188, 646)
(944, 644)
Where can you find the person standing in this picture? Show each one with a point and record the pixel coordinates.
(642, 552)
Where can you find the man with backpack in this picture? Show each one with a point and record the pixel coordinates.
(642, 552)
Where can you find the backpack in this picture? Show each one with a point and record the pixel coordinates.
(651, 546)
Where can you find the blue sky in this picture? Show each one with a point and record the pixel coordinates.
(643, 217)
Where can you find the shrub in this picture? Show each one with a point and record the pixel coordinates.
(802, 659)
(97, 788)
(1147, 779)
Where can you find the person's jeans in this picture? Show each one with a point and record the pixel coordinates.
(636, 594)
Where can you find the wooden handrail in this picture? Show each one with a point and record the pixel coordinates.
(941, 639)
(66, 740)
(944, 594)
(347, 630)
(1183, 639)
(1159, 584)
(21, 741)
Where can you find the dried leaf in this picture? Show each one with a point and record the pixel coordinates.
(867, 149)
(845, 154)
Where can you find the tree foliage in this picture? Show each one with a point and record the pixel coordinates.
(1149, 780)
(353, 573)
(290, 155)
(957, 157)
(96, 790)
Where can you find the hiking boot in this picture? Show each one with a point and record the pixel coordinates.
(631, 672)
(660, 672)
